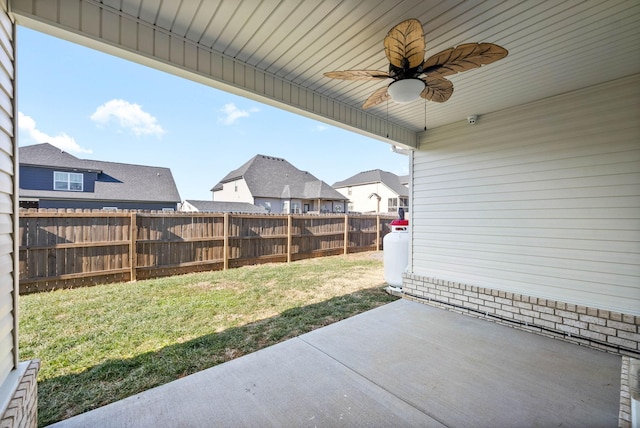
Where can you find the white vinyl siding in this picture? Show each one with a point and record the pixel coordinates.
(362, 200)
(541, 199)
(234, 191)
(8, 284)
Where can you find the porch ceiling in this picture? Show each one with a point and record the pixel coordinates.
(554, 47)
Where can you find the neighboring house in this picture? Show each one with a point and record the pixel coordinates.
(375, 191)
(52, 178)
(194, 206)
(279, 187)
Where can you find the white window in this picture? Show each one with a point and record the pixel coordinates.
(404, 204)
(68, 181)
(392, 204)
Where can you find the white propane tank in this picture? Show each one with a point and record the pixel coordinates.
(396, 252)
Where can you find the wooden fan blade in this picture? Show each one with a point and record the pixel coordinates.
(357, 74)
(436, 89)
(405, 40)
(462, 58)
(379, 96)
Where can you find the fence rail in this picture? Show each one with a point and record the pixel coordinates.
(65, 248)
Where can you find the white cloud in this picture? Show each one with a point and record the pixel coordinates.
(62, 141)
(233, 113)
(128, 116)
(320, 128)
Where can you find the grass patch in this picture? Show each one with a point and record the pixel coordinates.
(105, 343)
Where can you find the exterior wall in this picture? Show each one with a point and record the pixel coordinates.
(325, 206)
(539, 202)
(275, 204)
(35, 178)
(295, 206)
(359, 197)
(8, 284)
(235, 191)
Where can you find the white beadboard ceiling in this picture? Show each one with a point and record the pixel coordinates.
(554, 46)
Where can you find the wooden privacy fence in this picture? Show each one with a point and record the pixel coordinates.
(63, 249)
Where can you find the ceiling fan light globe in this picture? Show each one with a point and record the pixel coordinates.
(405, 90)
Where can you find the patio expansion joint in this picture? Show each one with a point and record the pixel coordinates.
(351, 369)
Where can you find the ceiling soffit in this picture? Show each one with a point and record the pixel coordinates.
(276, 51)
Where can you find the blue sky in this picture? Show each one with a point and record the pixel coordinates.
(97, 106)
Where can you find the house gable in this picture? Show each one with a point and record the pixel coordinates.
(235, 190)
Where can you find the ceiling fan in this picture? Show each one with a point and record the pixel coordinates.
(413, 76)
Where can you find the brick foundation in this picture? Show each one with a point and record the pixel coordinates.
(22, 410)
(624, 417)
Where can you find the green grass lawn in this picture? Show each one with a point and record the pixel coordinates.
(105, 343)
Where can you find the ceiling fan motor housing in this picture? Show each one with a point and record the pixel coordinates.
(405, 90)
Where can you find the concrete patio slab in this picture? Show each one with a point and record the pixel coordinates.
(404, 364)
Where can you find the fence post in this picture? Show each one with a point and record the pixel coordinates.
(133, 250)
(289, 237)
(225, 249)
(378, 232)
(346, 234)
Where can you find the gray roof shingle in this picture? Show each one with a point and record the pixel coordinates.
(271, 177)
(389, 179)
(116, 181)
